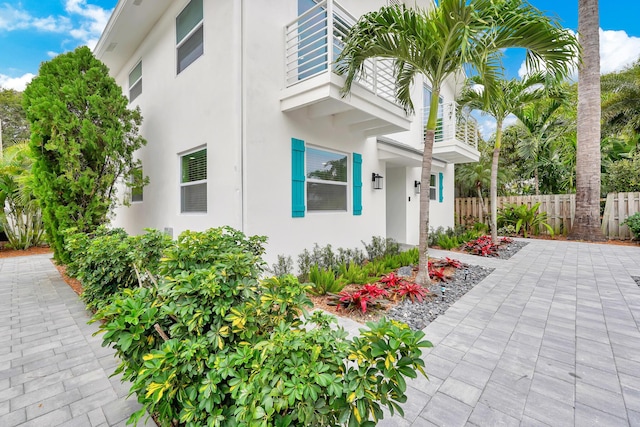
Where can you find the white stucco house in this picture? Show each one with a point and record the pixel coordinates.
(246, 126)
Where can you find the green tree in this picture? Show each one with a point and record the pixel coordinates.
(13, 121)
(20, 216)
(623, 175)
(438, 44)
(621, 103)
(586, 223)
(511, 95)
(82, 139)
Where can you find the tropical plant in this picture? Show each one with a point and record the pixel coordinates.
(283, 266)
(482, 246)
(20, 214)
(529, 220)
(83, 138)
(414, 291)
(213, 345)
(622, 175)
(510, 96)
(586, 222)
(633, 222)
(621, 102)
(324, 281)
(112, 260)
(438, 43)
(380, 247)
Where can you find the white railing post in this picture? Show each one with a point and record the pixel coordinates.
(330, 35)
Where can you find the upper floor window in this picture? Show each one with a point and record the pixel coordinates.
(193, 182)
(189, 34)
(135, 82)
(327, 181)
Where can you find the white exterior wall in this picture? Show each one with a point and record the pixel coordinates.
(229, 100)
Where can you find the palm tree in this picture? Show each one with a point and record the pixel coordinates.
(586, 223)
(440, 43)
(476, 176)
(539, 126)
(621, 103)
(510, 96)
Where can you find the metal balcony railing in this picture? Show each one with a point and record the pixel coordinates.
(453, 123)
(314, 40)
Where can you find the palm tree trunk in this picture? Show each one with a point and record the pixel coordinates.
(482, 205)
(494, 183)
(536, 180)
(425, 179)
(586, 224)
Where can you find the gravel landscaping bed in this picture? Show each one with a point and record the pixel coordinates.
(418, 315)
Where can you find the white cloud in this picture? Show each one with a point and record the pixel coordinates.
(12, 19)
(52, 54)
(94, 19)
(617, 51)
(16, 83)
(487, 124)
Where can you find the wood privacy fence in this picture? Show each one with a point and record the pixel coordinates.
(560, 209)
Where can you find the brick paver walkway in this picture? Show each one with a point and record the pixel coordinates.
(551, 337)
(53, 372)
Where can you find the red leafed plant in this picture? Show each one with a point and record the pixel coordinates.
(438, 273)
(506, 240)
(362, 298)
(482, 246)
(453, 262)
(391, 280)
(413, 291)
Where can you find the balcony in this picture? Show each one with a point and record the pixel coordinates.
(312, 43)
(456, 138)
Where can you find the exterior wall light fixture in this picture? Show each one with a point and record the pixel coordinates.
(416, 187)
(377, 181)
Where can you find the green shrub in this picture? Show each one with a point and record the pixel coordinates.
(283, 266)
(106, 263)
(353, 274)
(324, 281)
(380, 246)
(633, 222)
(446, 242)
(529, 220)
(212, 345)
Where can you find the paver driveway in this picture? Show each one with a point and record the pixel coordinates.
(52, 370)
(549, 338)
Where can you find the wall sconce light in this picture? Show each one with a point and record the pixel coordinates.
(416, 187)
(377, 181)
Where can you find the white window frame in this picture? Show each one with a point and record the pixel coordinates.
(433, 189)
(191, 183)
(187, 37)
(346, 184)
(135, 83)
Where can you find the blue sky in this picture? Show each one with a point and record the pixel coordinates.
(32, 31)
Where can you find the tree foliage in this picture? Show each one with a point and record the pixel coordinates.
(83, 139)
(15, 127)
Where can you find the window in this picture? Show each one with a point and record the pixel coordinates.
(189, 34)
(193, 182)
(432, 188)
(135, 82)
(137, 190)
(327, 185)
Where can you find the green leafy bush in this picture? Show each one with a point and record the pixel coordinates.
(106, 262)
(283, 266)
(529, 220)
(633, 222)
(324, 281)
(381, 246)
(213, 345)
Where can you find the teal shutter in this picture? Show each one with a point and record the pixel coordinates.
(441, 183)
(357, 184)
(297, 178)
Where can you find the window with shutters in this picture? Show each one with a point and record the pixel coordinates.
(432, 188)
(193, 182)
(189, 35)
(135, 82)
(327, 180)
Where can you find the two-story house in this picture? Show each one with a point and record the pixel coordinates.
(246, 125)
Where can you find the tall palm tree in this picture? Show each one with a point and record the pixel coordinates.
(441, 42)
(586, 223)
(510, 96)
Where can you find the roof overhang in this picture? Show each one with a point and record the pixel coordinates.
(128, 25)
(399, 154)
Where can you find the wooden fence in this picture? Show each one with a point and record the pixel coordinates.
(560, 209)
(619, 206)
